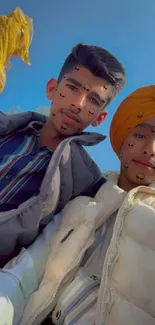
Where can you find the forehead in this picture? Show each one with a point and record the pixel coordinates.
(85, 77)
(148, 123)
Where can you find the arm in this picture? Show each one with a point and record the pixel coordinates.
(22, 275)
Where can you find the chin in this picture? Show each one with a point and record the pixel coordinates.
(68, 133)
(145, 181)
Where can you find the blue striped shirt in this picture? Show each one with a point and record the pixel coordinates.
(23, 164)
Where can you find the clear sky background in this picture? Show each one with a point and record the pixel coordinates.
(124, 27)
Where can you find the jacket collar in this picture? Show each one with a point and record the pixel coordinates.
(15, 122)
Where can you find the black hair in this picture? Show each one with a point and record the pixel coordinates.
(100, 62)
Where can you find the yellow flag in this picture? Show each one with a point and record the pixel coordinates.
(16, 33)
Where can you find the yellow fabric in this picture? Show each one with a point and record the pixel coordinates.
(135, 109)
(16, 32)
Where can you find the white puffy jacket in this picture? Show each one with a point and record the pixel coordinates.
(127, 290)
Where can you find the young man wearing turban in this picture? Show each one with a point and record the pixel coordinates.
(100, 268)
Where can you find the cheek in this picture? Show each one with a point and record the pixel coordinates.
(91, 112)
(60, 101)
(89, 115)
(126, 165)
(61, 95)
(127, 154)
(129, 151)
(63, 127)
(131, 144)
(131, 148)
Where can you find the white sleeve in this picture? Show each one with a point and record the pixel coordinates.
(78, 211)
(22, 275)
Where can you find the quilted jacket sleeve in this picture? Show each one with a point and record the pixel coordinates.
(22, 275)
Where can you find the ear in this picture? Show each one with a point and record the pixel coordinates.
(100, 119)
(50, 88)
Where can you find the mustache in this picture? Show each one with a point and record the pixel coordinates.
(72, 114)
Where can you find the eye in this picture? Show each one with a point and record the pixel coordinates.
(139, 136)
(94, 101)
(72, 87)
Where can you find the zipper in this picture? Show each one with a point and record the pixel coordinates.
(49, 305)
(104, 308)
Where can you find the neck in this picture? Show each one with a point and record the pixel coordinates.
(124, 183)
(49, 136)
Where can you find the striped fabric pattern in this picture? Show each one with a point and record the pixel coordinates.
(22, 166)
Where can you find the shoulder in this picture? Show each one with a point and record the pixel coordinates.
(13, 122)
(106, 176)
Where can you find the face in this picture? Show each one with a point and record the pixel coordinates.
(77, 101)
(138, 154)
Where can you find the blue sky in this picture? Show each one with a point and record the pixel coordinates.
(126, 28)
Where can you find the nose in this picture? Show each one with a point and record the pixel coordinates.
(78, 103)
(149, 148)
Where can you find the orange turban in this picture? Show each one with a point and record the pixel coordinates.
(135, 109)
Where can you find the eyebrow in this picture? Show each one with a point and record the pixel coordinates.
(146, 125)
(94, 93)
(97, 96)
(74, 81)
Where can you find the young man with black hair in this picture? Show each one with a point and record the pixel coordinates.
(40, 158)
